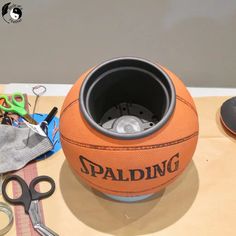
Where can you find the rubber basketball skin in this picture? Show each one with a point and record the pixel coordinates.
(130, 168)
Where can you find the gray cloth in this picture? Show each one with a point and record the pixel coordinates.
(18, 146)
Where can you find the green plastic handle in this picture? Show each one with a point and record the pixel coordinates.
(11, 107)
(6, 100)
(19, 103)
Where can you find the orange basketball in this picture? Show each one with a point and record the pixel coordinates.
(128, 127)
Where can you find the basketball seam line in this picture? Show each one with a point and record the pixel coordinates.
(116, 191)
(68, 106)
(186, 103)
(131, 148)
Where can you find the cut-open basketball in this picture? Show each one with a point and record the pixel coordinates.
(128, 127)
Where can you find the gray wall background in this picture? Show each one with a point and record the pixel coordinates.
(57, 40)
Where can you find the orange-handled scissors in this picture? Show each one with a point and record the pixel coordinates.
(17, 106)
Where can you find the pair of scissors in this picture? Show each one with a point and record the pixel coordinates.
(17, 105)
(30, 200)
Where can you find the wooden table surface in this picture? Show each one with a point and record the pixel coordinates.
(200, 202)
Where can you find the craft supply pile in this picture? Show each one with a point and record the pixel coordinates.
(24, 138)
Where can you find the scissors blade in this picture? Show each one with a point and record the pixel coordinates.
(34, 213)
(36, 219)
(28, 118)
(45, 231)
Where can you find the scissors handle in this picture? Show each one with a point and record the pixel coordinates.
(5, 103)
(24, 199)
(18, 99)
(37, 195)
(14, 106)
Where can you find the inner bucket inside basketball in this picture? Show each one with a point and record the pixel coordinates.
(127, 98)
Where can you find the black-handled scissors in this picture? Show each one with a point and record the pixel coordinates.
(30, 198)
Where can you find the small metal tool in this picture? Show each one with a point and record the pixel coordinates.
(29, 199)
(42, 128)
(38, 91)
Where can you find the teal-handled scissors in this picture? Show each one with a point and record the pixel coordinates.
(17, 106)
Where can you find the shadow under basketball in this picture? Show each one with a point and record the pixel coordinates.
(117, 218)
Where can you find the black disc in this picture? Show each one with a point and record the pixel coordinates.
(228, 114)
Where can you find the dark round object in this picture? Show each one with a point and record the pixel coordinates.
(228, 114)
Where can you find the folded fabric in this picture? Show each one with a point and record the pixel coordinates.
(18, 146)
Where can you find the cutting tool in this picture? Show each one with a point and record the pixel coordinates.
(30, 200)
(17, 106)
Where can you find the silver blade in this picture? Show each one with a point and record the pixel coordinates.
(44, 230)
(34, 213)
(36, 220)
